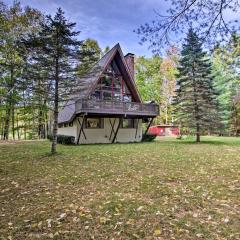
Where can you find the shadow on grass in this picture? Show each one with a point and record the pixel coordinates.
(230, 141)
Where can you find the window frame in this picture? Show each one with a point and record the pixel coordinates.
(99, 118)
(131, 126)
(116, 86)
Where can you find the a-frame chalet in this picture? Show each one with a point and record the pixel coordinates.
(108, 107)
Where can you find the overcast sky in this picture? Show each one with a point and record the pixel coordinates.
(107, 21)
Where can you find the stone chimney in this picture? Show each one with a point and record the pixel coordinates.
(129, 58)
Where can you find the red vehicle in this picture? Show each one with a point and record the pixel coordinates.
(164, 130)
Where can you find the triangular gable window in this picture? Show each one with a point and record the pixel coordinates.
(111, 86)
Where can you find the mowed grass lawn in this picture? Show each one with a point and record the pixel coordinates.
(167, 189)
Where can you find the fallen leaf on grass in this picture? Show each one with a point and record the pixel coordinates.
(62, 216)
(226, 220)
(136, 236)
(50, 235)
(49, 222)
(104, 220)
(76, 219)
(130, 221)
(139, 209)
(157, 232)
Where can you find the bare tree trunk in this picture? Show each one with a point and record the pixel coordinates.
(47, 129)
(55, 119)
(196, 109)
(198, 133)
(18, 133)
(55, 114)
(13, 122)
(24, 114)
(2, 123)
(45, 119)
(40, 111)
(7, 121)
(166, 115)
(25, 130)
(12, 100)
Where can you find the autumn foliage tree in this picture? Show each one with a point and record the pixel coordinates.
(15, 23)
(168, 71)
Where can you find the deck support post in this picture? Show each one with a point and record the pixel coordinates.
(112, 125)
(149, 124)
(136, 128)
(81, 129)
(115, 135)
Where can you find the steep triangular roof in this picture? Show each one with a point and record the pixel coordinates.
(88, 82)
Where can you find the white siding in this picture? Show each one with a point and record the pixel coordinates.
(69, 131)
(124, 135)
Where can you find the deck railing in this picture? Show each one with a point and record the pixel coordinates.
(117, 107)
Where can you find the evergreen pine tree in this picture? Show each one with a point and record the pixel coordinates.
(90, 53)
(226, 66)
(57, 57)
(196, 100)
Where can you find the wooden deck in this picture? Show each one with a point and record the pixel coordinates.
(118, 108)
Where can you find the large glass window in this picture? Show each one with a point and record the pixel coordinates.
(107, 95)
(117, 96)
(106, 81)
(127, 98)
(128, 123)
(94, 123)
(111, 86)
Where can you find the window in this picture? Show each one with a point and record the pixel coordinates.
(96, 95)
(60, 125)
(65, 124)
(117, 83)
(107, 95)
(107, 81)
(94, 123)
(70, 124)
(111, 86)
(127, 98)
(117, 96)
(128, 123)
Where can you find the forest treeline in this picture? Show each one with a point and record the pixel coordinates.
(36, 49)
(157, 79)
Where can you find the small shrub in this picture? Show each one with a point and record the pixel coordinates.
(179, 137)
(30, 136)
(50, 137)
(149, 137)
(62, 139)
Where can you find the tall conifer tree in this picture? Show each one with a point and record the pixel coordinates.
(90, 53)
(57, 57)
(196, 100)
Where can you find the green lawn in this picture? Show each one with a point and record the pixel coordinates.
(168, 189)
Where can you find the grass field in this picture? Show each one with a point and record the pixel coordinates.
(168, 189)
